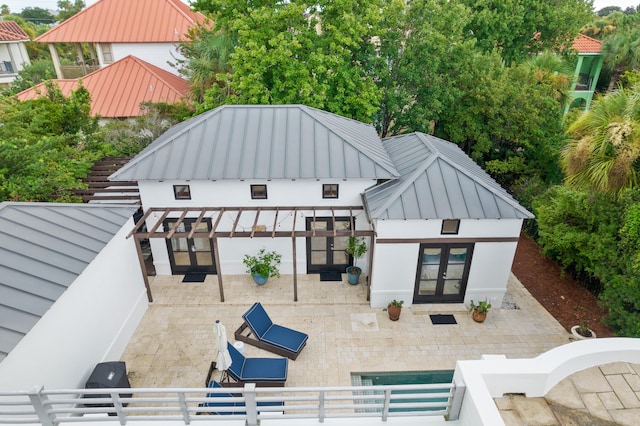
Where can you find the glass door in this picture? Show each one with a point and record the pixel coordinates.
(190, 254)
(327, 253)
(443, 270)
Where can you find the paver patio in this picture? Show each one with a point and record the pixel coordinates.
(174, 345)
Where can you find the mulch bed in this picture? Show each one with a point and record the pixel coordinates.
(561, 295)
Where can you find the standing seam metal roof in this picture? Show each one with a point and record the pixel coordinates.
(438, 181)
(126, 21)
(263, 142)
(118, 89)
(44, 247)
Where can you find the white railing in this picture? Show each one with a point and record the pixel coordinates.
(54, 407)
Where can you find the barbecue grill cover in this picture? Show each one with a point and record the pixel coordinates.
(108, 375)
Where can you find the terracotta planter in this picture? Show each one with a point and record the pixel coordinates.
(477, 316)
(394, 312)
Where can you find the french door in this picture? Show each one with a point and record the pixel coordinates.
(327, 253)
(443, 270)
(190, 254)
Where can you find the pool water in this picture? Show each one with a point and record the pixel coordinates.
(406, 378)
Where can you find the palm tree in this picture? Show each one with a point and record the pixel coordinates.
(604, 152)
(622, 49)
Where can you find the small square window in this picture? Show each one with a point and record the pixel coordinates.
(259, 192)
(182, 192)
(450, 226)
(330, 190)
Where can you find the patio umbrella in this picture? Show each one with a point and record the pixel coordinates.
(223, 359)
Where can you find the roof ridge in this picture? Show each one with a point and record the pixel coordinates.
(155, 71)
(318, 115)
(590, 38)
(500, 192)
(409, 178)
(173, 4)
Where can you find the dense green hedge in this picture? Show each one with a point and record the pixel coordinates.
(597, 237)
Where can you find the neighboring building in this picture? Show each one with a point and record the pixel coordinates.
(13, 52)
(71, 291)
(114, 29)
(117, 90)
(588, 67)
(300, 181)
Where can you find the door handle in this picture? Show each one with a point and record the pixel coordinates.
(193, 248)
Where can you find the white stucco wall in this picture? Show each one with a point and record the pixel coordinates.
(490, 264)
(155, 53)
(16, 53)
(288, 193)
(90, 323)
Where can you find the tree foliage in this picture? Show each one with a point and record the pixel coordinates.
(68, 8)
(604, 151)
(288, 52)
(47, 146)
(522, 27)
(597, 237)
(37, 15)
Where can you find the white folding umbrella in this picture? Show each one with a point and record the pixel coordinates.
(223, 359)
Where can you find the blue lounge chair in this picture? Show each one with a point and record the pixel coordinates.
(218, 406)
(261, 371)
(269, 336)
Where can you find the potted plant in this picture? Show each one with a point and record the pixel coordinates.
(263, 265)
(394, 308)
(356, 247)
(479, 311)
(582, 331)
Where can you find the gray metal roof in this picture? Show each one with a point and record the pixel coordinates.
(263, 142)
(44, 247)
(438, 181)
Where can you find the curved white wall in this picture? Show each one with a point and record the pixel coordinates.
(91, 322)
(493, 376)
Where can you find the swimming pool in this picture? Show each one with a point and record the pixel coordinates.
(444, 377)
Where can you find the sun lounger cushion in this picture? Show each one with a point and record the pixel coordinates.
(265, 330)
(256, 369)
(224, 404)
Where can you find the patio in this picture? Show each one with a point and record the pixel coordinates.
(174, 344)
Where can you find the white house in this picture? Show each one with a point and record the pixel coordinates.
(71, 291)
(13, 51)
(113, 29)
(300, 181)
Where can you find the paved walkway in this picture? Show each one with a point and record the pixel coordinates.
(174, 344)
(599, 396)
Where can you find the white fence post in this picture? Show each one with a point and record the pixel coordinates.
(458, 388)
(39, 404)
(251, 405)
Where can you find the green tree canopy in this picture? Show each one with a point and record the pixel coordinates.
(68, 8)
(47, 146)
(37, 15)
(521, 27)
(288, 52)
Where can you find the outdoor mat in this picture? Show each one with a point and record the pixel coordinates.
(442, 319)
(194, 277)
(330, 276)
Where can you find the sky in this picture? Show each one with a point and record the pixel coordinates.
(18, 5)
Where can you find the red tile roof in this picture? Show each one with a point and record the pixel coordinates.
(585, 44)
(118, 89)
(11, 31)
(126, 21)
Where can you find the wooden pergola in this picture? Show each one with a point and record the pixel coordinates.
(143, 230)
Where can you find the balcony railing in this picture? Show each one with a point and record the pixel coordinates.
(77, 71)
(54, 407)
